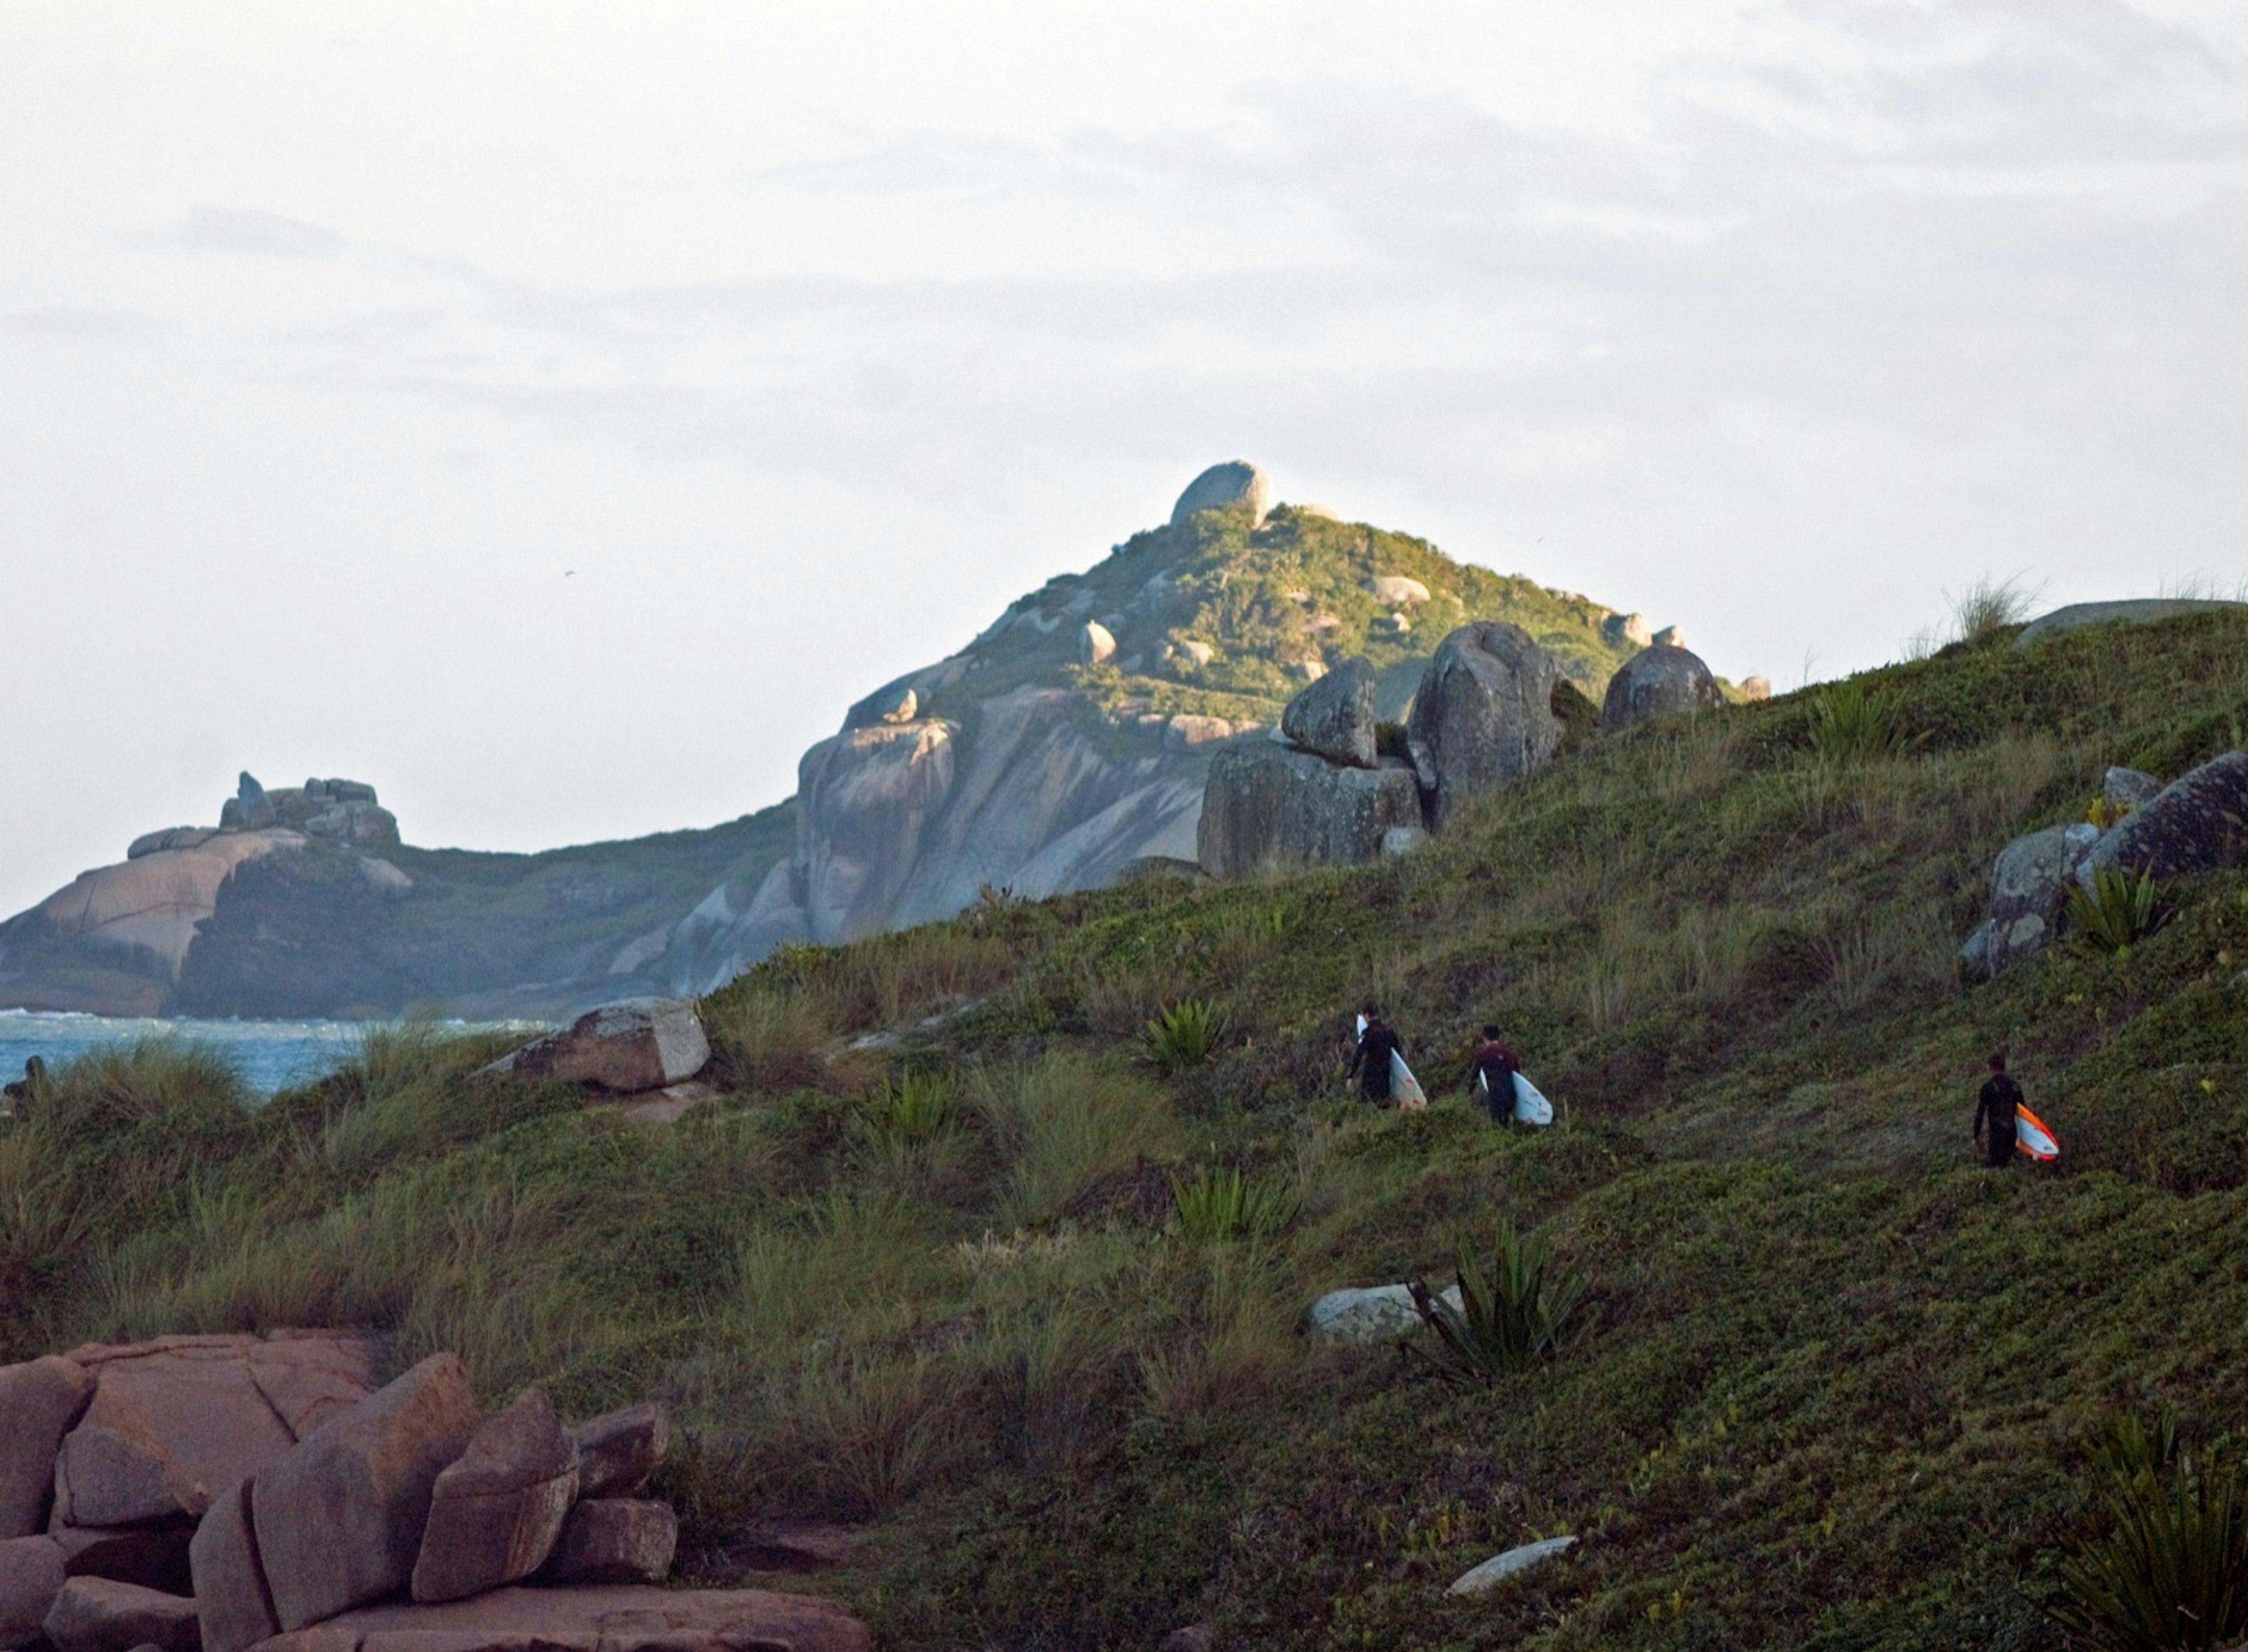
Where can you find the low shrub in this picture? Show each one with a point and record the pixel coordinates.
(1853, 722)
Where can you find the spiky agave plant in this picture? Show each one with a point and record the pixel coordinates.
(2117, 912)
(2160, 1563)
(1520, 1313)
(1186, 1035)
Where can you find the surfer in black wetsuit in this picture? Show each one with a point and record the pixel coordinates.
(1369, 1064)
(1490, 1077)
(2001, 1096)
(24, 1090)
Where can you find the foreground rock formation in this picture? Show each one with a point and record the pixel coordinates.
(217, 1494)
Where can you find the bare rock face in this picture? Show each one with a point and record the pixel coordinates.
(615, 1541)
(1335, 716)
(339, 1520)
(1096, 644)
(2198, 822)
(233, 1604)
(2123, 789)
(495, 1513)
(1658, 681)
(593, 1619)
(1269, 804)
(40, 1400)
(864, 801)
(637, 1044)
(156, 1556)
(1483, 717)
(1395, 589)
(1236, 482)
(618, 1450)
(1753, 689)
(2139, 611)
(94, 1614)
(31, 1577)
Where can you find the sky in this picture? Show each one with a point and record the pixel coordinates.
(556, 415)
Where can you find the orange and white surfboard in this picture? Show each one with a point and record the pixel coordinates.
(2031, 1136)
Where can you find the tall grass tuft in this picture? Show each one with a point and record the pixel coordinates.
(1853, 722)
(1508, 1319)
(1220, 1205)
(2160, 1562)
(2117, 912)
(1988, 606)
(1186, 1035)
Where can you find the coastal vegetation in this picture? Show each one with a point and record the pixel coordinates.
(965, 1252)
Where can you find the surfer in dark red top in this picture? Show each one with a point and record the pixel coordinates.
(2001, 1096)
(1490, 1077)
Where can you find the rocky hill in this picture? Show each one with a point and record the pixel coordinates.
(1069, 741)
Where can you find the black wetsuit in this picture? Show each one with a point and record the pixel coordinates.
(1994, 1108)
(1371, 1065)
(1491, 1080)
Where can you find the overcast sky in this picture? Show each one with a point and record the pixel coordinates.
(556, 415)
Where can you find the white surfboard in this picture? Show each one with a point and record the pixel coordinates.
(1530, 1105)
(1404, 1089)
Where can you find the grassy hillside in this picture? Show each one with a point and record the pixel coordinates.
(1836, 1384)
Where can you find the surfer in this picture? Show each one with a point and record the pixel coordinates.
(26, 1088)
(2000, 1096)
(1490, 1077)
(1369, 1064)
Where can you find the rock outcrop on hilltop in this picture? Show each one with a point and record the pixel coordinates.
(1659, 681)
(116, 940)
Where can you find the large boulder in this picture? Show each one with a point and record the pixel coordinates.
(2029, 892)
(618, 1450)
(248, 809)
(1335, 716)
(1483, 717)
(1267, 804)
(2198, 822)
(1236, 482)
(593, 1619)
(1368, 1313)
(1658, 681)
(615, 1541)
(2139, 611)
(2121, 790)
(96, 1615)
(1395, 590)
(40, 1400)
(637, 1044)
(1620, 628)
(1096, 644)
(233, 1603)
(495, 1511)
(31, 1577)
(339, 1520)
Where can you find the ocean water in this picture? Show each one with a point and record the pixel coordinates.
(270, 1055)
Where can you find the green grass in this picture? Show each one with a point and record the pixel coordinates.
(1831, 1384)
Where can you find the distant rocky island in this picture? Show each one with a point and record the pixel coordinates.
(1071, 741)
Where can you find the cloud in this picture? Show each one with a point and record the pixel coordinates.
(253, 234)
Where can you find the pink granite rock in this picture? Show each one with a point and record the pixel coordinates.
(31, 1576)
(494, 1514)
(615, 1541)
(41, 1402)
(627, 1620)
(94, 1614)
(339, 1520)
